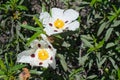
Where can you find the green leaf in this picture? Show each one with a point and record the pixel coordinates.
(86, 42)
(34, 37)
(108, 33)
(100, 44)
(118, 74)
(3, 77)
(21, 1)
(92, 77)
(63, 62)
(83, 59)
(38, 22)
(102, 27)
(16, 67)
(36, 72)
(113, 63)
(88, 37)
(75, 72)
(2, 72)
(93, 2)
(101, 62)
(116, 23)
(2, 65)
(22, 7)
(30, 27)
(110, 45)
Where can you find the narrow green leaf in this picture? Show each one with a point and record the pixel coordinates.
(33, 37)
(2, 65)
(38, 22)
(36, 72)
(88, 37)
(83, 59)
(102, 61)
(108, 33)
(30, 27)
(100, 44)
(75, 72)
(93, 2)
(86, 42)
(63, 62)
(110, 45)
(91, 77)
(16, 67)
(113, 63)
(21, 1)
(22, 7)
(116, 23)
(118, 74)
(102, 27)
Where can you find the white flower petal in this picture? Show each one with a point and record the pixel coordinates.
(53, 64)
(57, 12)
(44, 37)
(25, 53)
(34, 43)
(34, 62)
(45, 64)
(71, 15)
(44, 17)
(73, 26)
(25, 59)
(50, 31)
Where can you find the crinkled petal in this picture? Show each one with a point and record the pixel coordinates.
(73, 26)
(39, 44)
(34, 43)
(24, 54)
(45, 64)
(71, 15)
(25, 59)
(44, 17)
(44, 37)
(57, 13)
(34, 62)
(50, 31)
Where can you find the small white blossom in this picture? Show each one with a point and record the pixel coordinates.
(41, 53)
(59, 21)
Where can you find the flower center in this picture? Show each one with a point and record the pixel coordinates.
(59, 23)
(43, 54)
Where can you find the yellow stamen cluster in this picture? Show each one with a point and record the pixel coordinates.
(59, 23)
(43, 54)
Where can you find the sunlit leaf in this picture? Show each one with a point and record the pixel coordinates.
(22, 7)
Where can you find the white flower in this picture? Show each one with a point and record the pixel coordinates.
(59, 21)
(41, 53)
